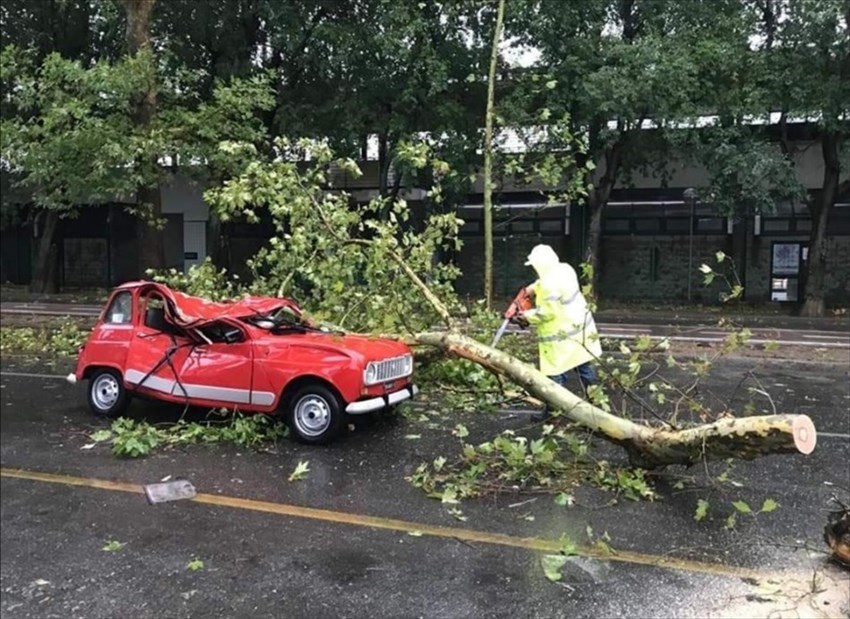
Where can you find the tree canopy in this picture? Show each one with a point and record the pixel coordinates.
(643, 85)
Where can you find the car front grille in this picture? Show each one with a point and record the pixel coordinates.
(391, 369)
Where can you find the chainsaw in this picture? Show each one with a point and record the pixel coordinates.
(522, 303)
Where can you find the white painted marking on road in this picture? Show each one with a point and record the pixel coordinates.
(616, 328)
(76, 312)
(823, 337)
(29, 375)
(712, 340)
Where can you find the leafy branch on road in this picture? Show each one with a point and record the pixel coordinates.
(133, 439)
(62, 339)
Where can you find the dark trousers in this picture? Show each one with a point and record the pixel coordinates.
(586, 374)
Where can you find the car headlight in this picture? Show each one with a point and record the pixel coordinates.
(370, 376)
(408, 365)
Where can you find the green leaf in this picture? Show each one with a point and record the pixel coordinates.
(769, 505)
(194, 565)
(457, 514)
(568, 547)
(742, 507)
(564, 499)
(552, 565)
(460, 431)
(300, 471)
(731, 520)
(551, 84)
(701, 511)
(604, 547)
(113, 546)
(100, 436)
(449, 495)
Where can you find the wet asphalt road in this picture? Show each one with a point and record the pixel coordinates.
(270, 564)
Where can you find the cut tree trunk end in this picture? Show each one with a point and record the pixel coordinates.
(648, 447)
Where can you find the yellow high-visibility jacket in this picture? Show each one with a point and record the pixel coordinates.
(566, 330)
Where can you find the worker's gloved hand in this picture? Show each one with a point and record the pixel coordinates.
(520, 321)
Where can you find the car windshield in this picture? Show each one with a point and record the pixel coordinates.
(283, 321)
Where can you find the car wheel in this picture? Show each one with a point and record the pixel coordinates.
(106, 393)
(315, 415)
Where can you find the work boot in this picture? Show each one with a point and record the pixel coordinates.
(542, 415)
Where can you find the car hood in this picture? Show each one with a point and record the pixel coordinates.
(362, 346)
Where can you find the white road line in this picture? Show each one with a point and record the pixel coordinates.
(28, 375)
(691, 338)
(824, 337)
(73, 312)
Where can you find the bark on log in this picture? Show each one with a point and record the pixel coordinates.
(745, 438)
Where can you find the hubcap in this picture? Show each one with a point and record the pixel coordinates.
(105, 391)
(312, 415)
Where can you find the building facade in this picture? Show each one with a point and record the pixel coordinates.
(653, 238)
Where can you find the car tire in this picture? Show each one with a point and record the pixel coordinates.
(106, 393)
(315, 415)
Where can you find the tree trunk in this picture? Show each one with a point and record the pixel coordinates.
(488, 158)
(151, 239)
(746, 437)
(383, 164)
(819, 208)
(598, 199)
(594, 240)
(44, 269)
(152, 249)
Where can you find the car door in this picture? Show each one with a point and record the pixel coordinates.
(111, 337)
(157, 350)
(219, 371)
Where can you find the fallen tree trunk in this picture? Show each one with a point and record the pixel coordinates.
(649, 447)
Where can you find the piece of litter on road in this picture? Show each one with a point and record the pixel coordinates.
(166, 478)
(88, 446)
(412, 437)
(415, 533)
(41, 582)
(169, 491)
(526, 502)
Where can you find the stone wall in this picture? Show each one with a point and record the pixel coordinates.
(85, 262)
(656, 267)
(509, 270)
(638, 267)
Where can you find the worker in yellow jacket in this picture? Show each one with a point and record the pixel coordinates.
(566, 331)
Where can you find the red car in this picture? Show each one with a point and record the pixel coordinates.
(255, 355)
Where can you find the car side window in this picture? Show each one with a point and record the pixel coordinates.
(120, 311)
(154, 316)
(223, 333)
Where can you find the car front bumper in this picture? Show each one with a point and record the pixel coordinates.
(391, 399)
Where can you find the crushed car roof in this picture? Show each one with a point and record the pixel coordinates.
(187, 310)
